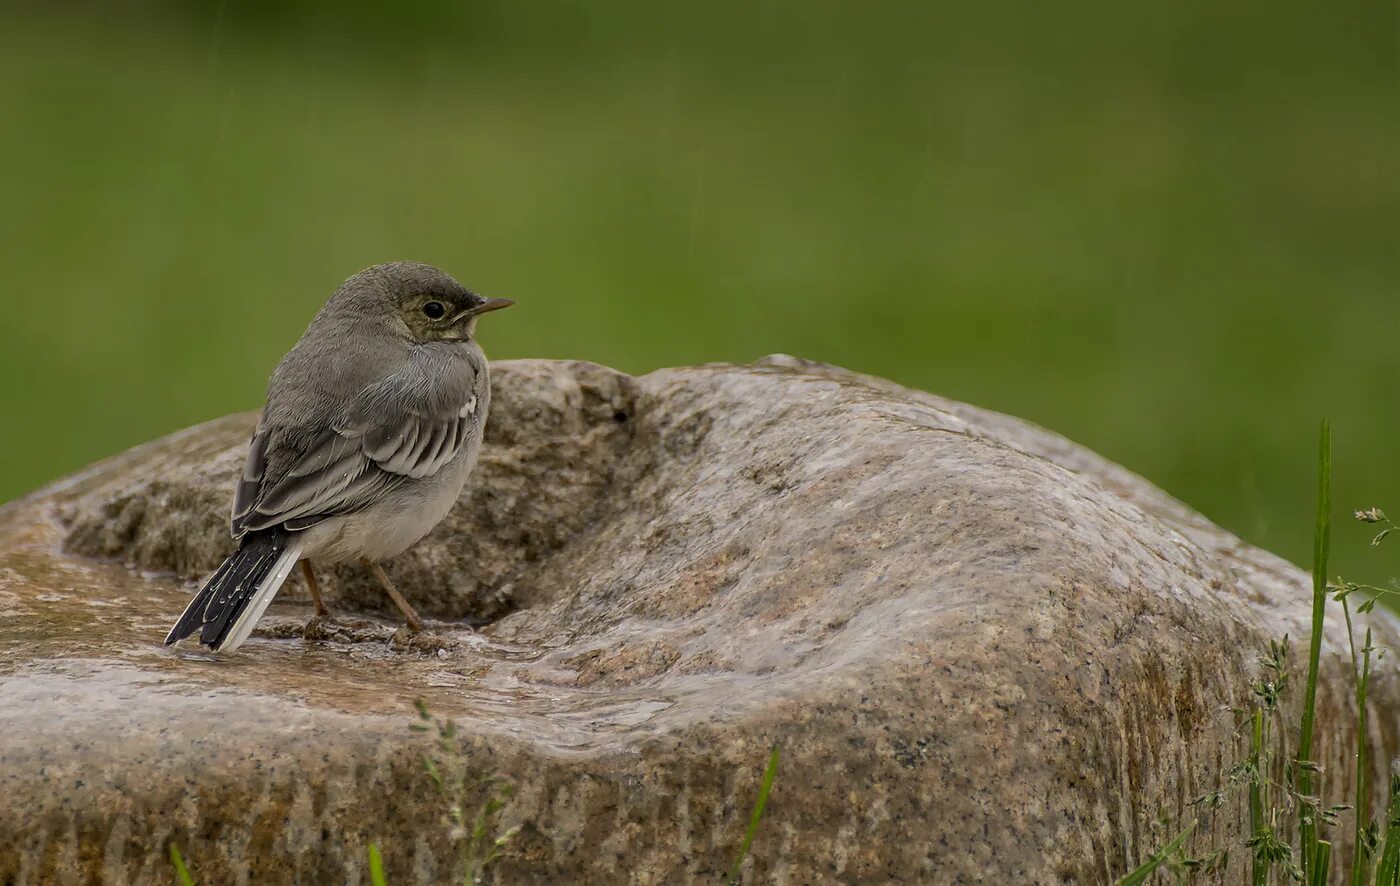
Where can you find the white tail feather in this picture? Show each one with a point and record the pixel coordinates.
(262, 598)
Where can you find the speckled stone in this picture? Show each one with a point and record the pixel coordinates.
(987, 654)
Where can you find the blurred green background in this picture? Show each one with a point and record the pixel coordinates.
(1169, 231)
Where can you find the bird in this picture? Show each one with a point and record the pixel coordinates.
(373, 422)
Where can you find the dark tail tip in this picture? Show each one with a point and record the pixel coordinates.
(227, 592)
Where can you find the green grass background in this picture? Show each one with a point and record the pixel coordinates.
(1170, 232)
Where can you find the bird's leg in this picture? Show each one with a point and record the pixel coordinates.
(309, 575)
(414, 624)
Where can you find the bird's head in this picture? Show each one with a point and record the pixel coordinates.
(430, 305)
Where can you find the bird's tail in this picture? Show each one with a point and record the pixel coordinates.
(236, 595)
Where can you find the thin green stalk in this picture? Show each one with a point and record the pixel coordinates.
(1322, 543)
(1141, 873)
(1360, 860)
(768, 775)
(1256, 797)
(1388, 871)
(1361, 672)
(1321, 864)
(181, 871)
(376, 867)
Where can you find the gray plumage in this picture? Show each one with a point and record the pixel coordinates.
(372, 423)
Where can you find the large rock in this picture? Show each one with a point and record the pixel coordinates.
(986, 653)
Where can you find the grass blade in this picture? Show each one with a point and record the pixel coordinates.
(1147, 868)
(768, 775)
(376, 867)
(1321, 864)
(1322, 543)
(182, 873)
(1261, 867)
(1359, 860)
(1388, 872)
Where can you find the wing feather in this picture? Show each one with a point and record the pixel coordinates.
(245, 495)
(301, 494)
(385, 448)
(432, 456)
(405, 427)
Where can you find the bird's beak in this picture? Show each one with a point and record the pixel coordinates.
(488, 305)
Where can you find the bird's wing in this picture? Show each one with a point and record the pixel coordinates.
(405, 427)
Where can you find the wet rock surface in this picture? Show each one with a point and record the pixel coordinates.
(987, 653)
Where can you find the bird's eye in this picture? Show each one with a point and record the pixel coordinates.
(434, 310)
